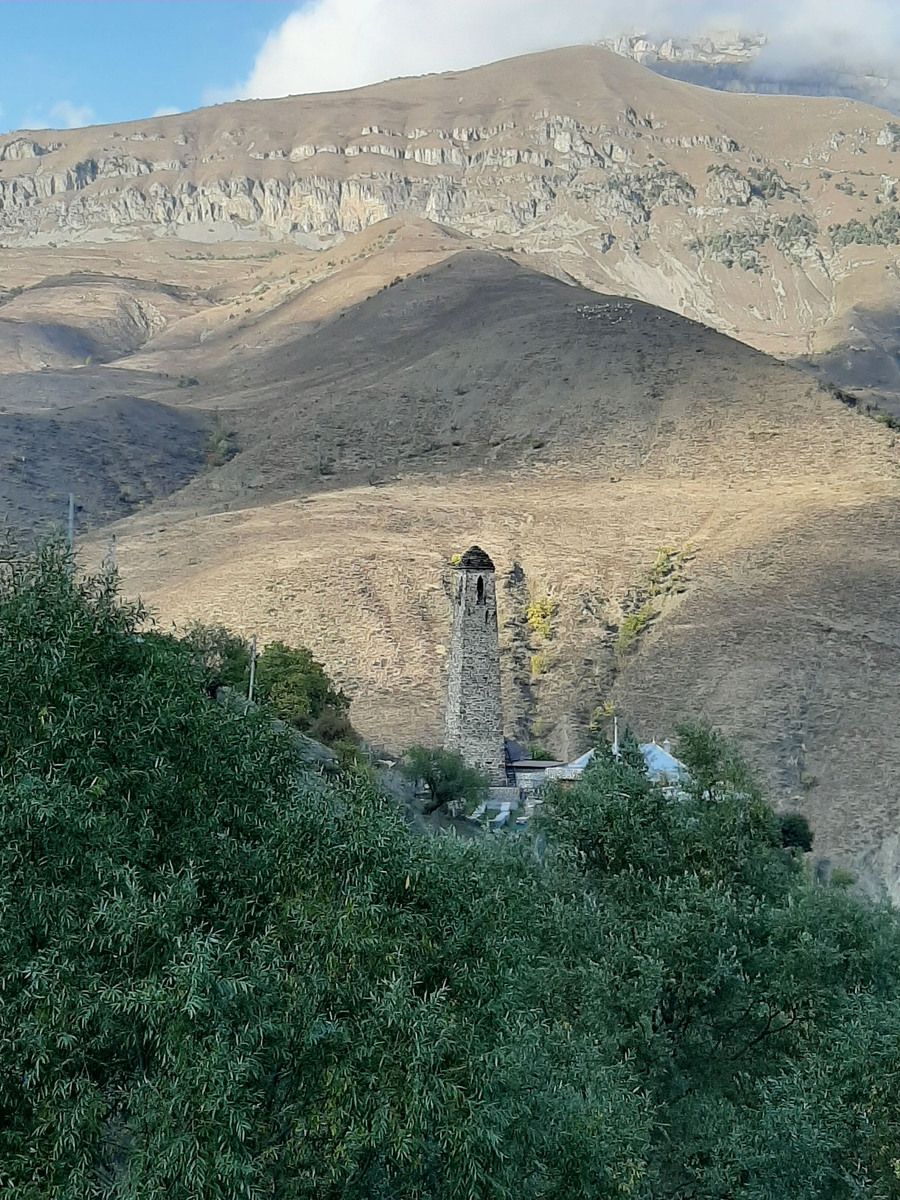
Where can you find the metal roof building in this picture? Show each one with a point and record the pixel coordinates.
(662, 765)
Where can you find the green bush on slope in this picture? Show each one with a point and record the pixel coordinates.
(224, 977)
(289, 680)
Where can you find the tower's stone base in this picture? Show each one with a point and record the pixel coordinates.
(474, 719)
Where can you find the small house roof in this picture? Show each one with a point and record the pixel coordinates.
(661, 764)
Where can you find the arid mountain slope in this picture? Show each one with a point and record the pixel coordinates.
(79, 318)
(114, 453)
(82, 410)
(576, 436)
(480, 363)
(116, 433)
(718, 206)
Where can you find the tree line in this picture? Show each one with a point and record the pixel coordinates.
(224, 975)
(288, 679)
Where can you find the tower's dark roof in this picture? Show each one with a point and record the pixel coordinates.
(475, 559)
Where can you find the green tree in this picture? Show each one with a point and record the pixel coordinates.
(735, 975)
(224, 976)
(630, 752)
(223, 655)
(715, 767)
(446, 776)
(795, 832)
(333, 727)
(135, 860)
(298, 689)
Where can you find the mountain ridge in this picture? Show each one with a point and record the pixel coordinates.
(733, 61)
(719, 206)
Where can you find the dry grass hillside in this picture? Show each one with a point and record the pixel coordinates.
(95, 402)
(114, 454)
(782, 624)
(479, 362)
(315, 346)
(772, 218)
(714, 532)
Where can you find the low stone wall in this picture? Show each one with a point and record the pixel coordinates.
(498, 796)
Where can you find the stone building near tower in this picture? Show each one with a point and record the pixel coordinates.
(474, 717)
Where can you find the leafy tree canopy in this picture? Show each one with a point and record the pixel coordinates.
(289, 679)
(223, 655)
(446, 775)
(795, 831)
(297, 686)
(751, 1003)
(223, 976)
(630, 752)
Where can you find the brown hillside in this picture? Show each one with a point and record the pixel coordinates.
(478, 362)
(114, 454)
(206, 310)
(717, 206)
(590, 433)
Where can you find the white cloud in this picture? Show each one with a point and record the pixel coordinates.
(71, 116)
(63, 114)
(333, 44)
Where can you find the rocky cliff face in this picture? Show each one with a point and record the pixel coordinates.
(743, 213)
(739, 62)
(713, 49)
(499, 179)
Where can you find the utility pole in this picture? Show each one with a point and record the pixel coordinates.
(71, 522)
(252, 669)
(110, 562)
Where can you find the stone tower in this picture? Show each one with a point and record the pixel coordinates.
(474, 724)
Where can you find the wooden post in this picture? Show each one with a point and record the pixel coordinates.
(252, 669)
(71, 522)
(110, 563)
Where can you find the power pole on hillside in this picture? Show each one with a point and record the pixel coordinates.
(252, 669)
(110, 561)
(71, 522)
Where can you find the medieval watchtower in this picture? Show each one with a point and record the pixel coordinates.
(474, 724)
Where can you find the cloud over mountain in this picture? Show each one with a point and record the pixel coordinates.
(334, 44)
(63, 114)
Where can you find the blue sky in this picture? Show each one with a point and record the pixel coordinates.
(75, 62)
(84, 61)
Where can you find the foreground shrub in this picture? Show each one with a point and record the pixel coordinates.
(223, 976)
(445, 774)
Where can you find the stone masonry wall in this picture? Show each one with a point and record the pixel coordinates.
(474, 720)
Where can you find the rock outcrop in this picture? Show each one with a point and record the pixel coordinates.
(610, 174)
(739, 62)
